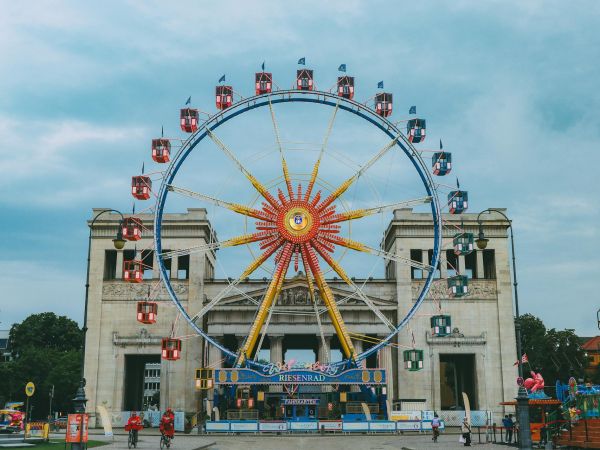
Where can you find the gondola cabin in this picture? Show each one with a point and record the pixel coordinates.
(415, 130)
(458, 286)
(345, 87)
(171, 349)
(147, 312)
(263, 83)
(413, 360)
(304, 80)
(441, 163)
(441, 326)
(224, 97)
(188, 119)
(161, 150)
(383, 104)
(463, 243)
(141, 186)
(133, 271)
(131, 229)
(458, 202)
(205, 379)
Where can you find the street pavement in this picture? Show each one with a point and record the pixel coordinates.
(308, 442)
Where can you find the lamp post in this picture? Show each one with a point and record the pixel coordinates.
(79, 401)
(522, 399)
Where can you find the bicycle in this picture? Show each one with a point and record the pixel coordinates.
(132, 440)
(165, 441)
(436, 433)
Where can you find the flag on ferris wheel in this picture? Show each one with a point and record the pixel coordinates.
(342, 68)
(189, 100)
(441, 146)
(222, 79)
(380, 85)
(263, 66)
(302, 61)
(142, 168)
(412, 110)
(457, 183)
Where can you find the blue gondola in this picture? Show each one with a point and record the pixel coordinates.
(458, 286)
(441, 163)
(458, 201)
(415, 130)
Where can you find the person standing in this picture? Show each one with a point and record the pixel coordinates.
(466, 432)
(510, 426)
(505, 427)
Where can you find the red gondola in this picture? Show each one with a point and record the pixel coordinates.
(141, 186)
(304, 80)
(161, 150)
(345, 87)
(383, 104)
(171, 349)
(224, 97)
(131, 228)
(264, 83)
(133, 271)
(147, 312)
(189, 120)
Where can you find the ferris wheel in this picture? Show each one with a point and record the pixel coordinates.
(298, 218)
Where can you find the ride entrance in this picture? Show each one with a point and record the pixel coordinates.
(308, 211)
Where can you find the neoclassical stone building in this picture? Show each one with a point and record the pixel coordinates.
(124, 370)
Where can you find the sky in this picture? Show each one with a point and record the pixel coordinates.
(512, 88)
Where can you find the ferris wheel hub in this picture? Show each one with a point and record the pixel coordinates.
(298, 221)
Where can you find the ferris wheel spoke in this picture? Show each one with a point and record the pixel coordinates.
(358, 213)
(236, 207)
(315, 171)
(262, 190)
(328, 298)
(344, 276)
(311, 292)
(268, 300)
(358, 246)
(246, 273)
(346, 184)
(286, 173)
(188, 251)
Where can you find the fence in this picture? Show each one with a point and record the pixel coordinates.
(455, 418)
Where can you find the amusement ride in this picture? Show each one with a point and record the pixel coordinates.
(301, 220)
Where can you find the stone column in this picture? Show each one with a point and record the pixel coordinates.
(425, 259)
(443, 264)
(461, 264)
(119, 263)
(358, 348)
(276, 355)
(174, 267)
(385, 362)
(479, 256)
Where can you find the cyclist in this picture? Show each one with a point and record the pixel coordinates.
(167, 428)
(134, 424)
(435, 426)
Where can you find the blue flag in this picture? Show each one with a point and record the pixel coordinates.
(412, 110)
(133, 209)
(189, 100)
(380, 85)
(342, 68)
(162, 131)
(142, 168)
(302, 61)
(441, 146)
(457, 184)
(263, 66)
(222, 78)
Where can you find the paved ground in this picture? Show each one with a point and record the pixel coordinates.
(309, 442)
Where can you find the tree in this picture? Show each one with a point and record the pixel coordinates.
(47, 351)
(557, 355)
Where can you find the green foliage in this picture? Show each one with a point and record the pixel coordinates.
(47, 351)
(557, 355)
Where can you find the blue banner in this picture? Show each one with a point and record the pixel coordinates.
(350, 376)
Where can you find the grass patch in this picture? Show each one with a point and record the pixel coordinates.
(60, 444)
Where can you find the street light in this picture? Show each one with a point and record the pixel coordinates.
(79, 401)
(522, 399)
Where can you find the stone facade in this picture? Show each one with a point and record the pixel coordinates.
(482, 321)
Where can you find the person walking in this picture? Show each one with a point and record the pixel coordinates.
(510, 427)
(466, 432)
(435, 427)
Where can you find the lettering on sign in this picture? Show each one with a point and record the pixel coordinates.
(274, 368)
(300, 401)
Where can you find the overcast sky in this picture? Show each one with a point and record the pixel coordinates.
(511, 87)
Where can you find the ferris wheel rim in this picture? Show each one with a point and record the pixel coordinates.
(292, 96)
